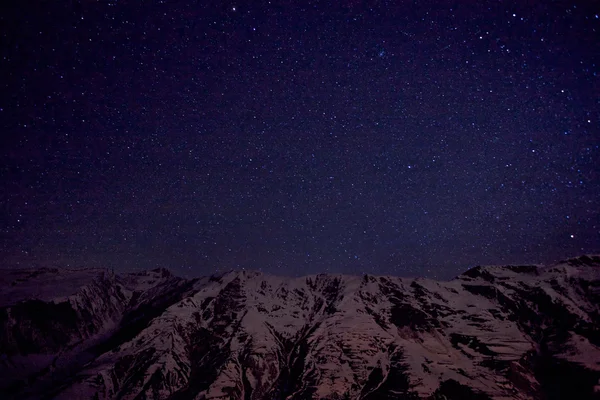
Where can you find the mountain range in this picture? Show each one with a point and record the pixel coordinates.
(494, 332)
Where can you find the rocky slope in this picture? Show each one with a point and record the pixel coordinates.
(503, 332)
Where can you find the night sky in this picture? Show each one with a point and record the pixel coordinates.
(298, 137)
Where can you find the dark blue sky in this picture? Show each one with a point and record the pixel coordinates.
(299, 137)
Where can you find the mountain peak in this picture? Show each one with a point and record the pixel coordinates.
(490, 272)
(587, 260)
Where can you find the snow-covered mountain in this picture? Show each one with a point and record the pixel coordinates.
(501, 332)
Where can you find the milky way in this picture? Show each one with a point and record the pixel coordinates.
(299, 137)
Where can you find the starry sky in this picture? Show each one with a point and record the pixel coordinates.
(299, 137)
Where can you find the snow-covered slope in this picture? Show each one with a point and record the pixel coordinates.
(505, 332)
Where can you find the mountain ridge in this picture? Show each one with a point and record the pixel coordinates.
(492, 332)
